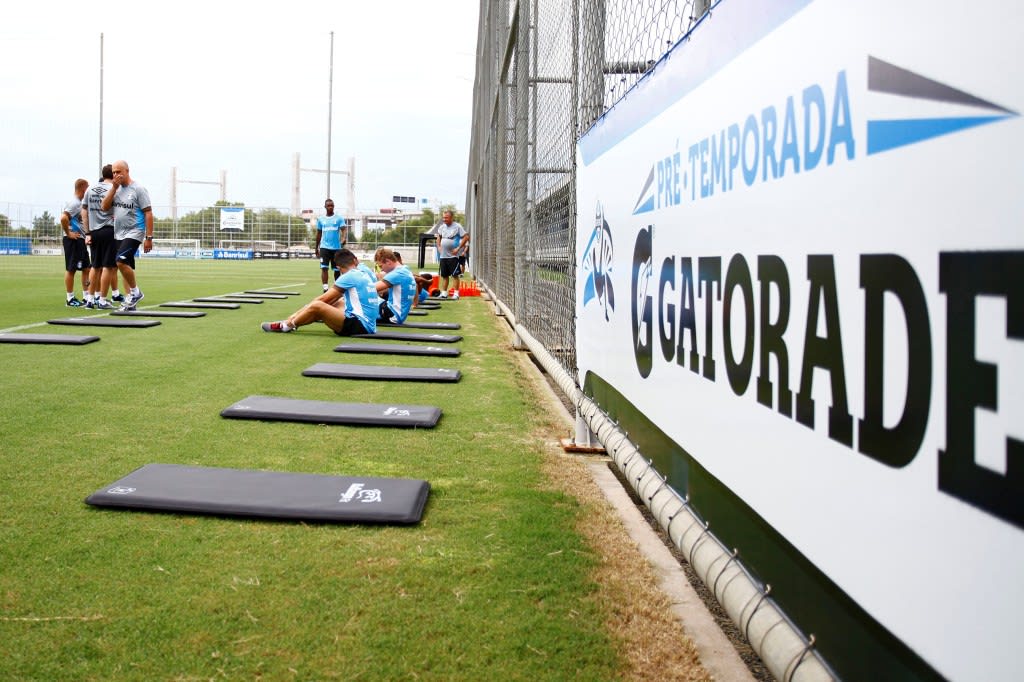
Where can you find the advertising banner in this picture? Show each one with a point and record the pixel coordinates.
(232, 218)
(801, 256)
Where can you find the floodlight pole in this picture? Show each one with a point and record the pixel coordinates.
(101, 102)
(330, 113)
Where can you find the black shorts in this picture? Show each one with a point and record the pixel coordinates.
(126, 249)
(386, 314)
(104, 250)
(76, 256)
(327, 258)
(450, 267)
(351, 327)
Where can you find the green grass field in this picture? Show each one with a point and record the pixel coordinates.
(494, 583)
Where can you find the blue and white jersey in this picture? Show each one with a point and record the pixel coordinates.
(93, 200)
(369, 271)
(130, 204)
(451, 238)
(401, 293)
(74, 210)
(360, 298)
(330, 228)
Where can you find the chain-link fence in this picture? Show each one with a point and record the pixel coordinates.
(546, 70)
(27, 229)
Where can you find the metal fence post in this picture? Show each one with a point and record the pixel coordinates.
(522, 156)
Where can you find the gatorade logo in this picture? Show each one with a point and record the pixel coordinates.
(641, 304)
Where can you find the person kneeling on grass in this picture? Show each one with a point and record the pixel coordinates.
(349, 307)
(397, 286)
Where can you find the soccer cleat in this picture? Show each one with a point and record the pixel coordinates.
(444, 294)
(455, 296)
(73, 303)
(119, 298)
(104, 305)
(90, 304)
(273, 327)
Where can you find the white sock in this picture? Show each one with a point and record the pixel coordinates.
(326, 287)
(102, 300)
(285, 326)
(87, 296)
(135, 291)
(115, 293)
(71, 295)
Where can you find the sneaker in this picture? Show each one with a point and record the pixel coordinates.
(444, 294)
(117, 299)
(455, 296)
(90, 304)
(274, 327)
(73, 303)
(326, 287)
(104, 305)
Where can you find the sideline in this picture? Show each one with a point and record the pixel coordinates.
(717, 654)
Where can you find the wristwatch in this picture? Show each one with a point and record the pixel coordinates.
(149, 236)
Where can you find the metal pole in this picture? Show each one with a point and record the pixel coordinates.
(101, 101)
(522, 156)
(330, 112)
(174, 193)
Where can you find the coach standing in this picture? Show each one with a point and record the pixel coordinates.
(133, 226)
(76, 257)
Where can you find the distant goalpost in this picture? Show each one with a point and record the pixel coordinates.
(175, 248)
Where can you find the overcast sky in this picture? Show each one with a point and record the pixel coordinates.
(206, 86)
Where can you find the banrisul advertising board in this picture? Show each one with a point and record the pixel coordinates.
(801, 248)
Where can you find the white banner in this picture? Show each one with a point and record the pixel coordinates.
(802, 257)
(232, 218)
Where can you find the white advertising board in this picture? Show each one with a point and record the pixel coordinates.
(801, 248)
(232, 218)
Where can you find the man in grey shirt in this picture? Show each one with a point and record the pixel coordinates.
(452, 244)
(99, 226)
(133, 226)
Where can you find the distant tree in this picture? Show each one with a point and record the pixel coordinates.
(44, 225)
(5, 226)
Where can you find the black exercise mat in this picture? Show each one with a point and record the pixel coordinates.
(382, 372)
(282, 293)
(154, 313)
(327, 412)
(417, 312)
(427, 306)
(63, 339)
(103, 321)
(227, 299)
(396, 349)
(411, 336)
(266, 494)
(203, 306)
(421, 325)
(264, 296)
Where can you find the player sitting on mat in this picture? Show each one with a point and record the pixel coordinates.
(397, 286)
(423, 281)
(349, 307)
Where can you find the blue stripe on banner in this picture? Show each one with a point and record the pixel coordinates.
(733, 27)
(884, 135)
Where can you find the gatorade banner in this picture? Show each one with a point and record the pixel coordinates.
(802, 257)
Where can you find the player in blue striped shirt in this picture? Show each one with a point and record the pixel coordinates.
(349, 307)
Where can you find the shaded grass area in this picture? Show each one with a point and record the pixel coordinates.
(493, 583)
